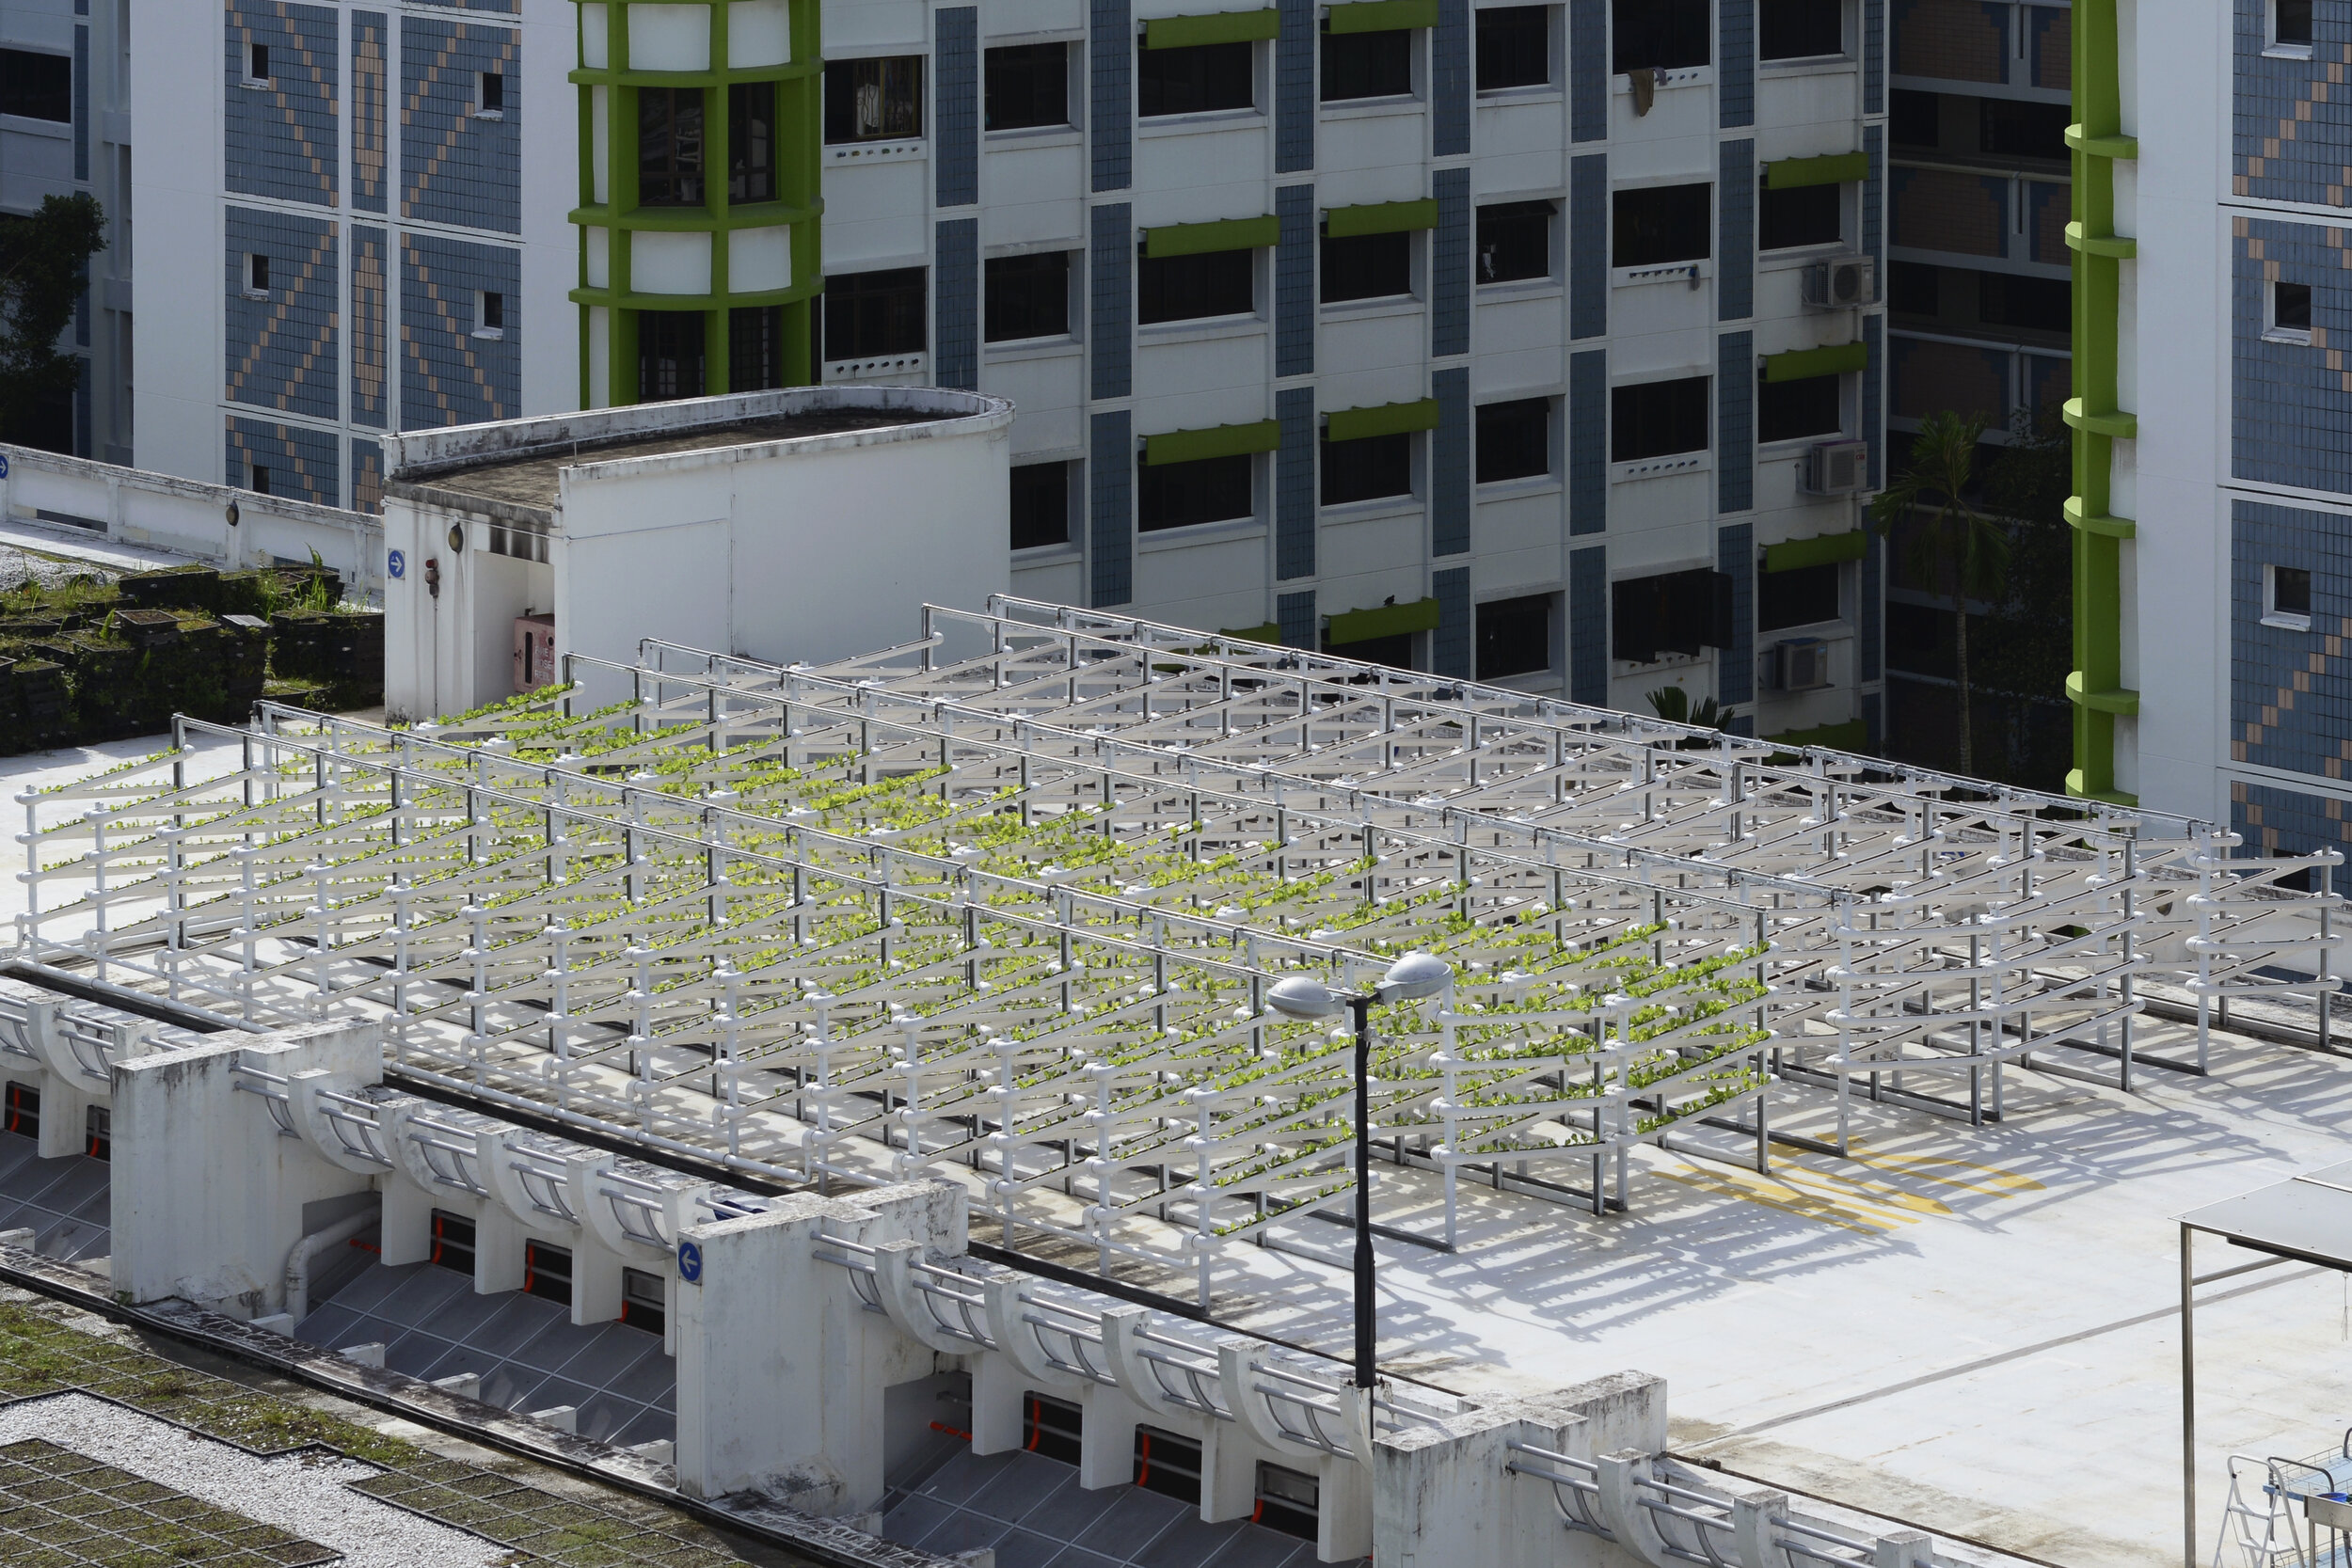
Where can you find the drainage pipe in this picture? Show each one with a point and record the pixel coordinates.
(300, 1259)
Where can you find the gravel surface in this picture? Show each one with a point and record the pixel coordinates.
(17, 566)
(304, 1494)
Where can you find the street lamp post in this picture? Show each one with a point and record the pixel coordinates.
(1412, 976)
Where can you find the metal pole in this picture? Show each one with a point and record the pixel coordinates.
(2188, 1400)
(1365, 1353)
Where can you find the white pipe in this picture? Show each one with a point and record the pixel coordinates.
(298, 1260)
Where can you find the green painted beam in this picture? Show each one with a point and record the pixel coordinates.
(1836, 169)
(1379, 217)
(1795, 555)
(2113, 528)
(2117, 699)
(1387, 620)
(1191, 32)
(1199, 239)
(1802, 364)
(1270, 633)
(1851, 735)
(1381, 16)
(1386, 418)
(1224, 440)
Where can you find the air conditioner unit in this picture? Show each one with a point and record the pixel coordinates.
(1837, 468)
(1841, 283)
(1797, 664)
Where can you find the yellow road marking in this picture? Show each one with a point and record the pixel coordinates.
(2002, 1180)
(1788, 1201)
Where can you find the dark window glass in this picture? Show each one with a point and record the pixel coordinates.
(874, 100)
(2290, 590)
(1187, 288)
(257, 62)
(2290, 305)
(1674, 613)
(1794, 29)
(1514, 439)
(1288, 1501)
(1168, 1464)
(2295, 21)
(2016, 130)
(1652, 419)
(669, 355)
(1515, 240)
(97, 1133)
(755, 348)
(642, 1307)
(752, 141)
(452, 1241)
(2044, 304)
(1367, 65)
(670, 146)
(873, 313)
(1029, 296)
(1915, 288)
(1041, 505)
(493, 310)
(1396, 652)
(1658, 224)
(493, 92)
(1914, 118)
(257, 272)
(22, 1115)
(1786, 410)
(259, 485)
(1663, 35)
(1194, 81)
(1810, 214)
(1027, 85)
(1367, 468)
(1798, 598)
(1051, 1427)
(1515, 637)
(1513, 47)
(1367, 266)
(548, 1272)
(1178, 495)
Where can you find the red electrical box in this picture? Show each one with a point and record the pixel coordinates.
(534, 651)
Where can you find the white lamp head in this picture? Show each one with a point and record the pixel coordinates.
(1302, 996)
(1415, 975)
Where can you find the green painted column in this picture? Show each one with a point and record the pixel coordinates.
(2095, 686)
(798, 204)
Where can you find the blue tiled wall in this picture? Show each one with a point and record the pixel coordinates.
(1588, 625)
(1870, 634)
(1450, 264)
(1873, 201)
(301, 462)
(281, 351)
(1450, 80)
(1588, 441)
(1111, 94)
(81, 101)
(2293, 118)
(1874, 57)
(1295, 484)
(1735, 212)
(1734, 62)
(279, 141)
(370, 363)
(2291, 692)
(1735, 667)
(2291, 404)
(371, 43)
(956, 133)
(956, 304)
(1296, 614)
(1295, 281)
(1295, 88)
(1450, 644)
(1110, 506)
(1735, 421)
(1111, 299)
(1450, 463)
(455, 169)
(448, 375)
(367, 475)
(1588, 245)
(1588, 70)
(2289, 822)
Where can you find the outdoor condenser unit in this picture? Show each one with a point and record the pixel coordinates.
(534, 651)
(1837, 468)
(1797, 664)
(1841, 283)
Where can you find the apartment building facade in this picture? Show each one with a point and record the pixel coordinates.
(65, 128)
(1536, 343)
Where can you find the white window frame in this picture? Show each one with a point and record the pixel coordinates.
(2286, 620)
(2272, 331)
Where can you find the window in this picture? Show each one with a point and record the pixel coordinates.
(1515, 240)
(452, 1241)
(1513, 47)
(670, 146)
(1189, 288)
(1810, 214)
(1394, 651)
(1663, 35)
(2291, 313)
(1367, 65)
(1051, 1427)
(41, 86)
(751, 142)
(1915, 288)
(548, 1272)
(669, 355)
(1028, 85)
(1791, 411)
(1197, 80)
(490, 96)
(874, 100)
(869, 314)
(641, 1306)
(1029, 296)
(1804, 597)
(1652, 419)
(1178, 495)
(2287, 597)
(1800, 29)
(1674, 613)
(2291, 22)
(256, 274)
(257, 65)
(1514, 439)
(1658, 224)
(1168, 1464)
(257, 479)
(97, 1133)
(2044, 304)
(19, 1113)
(1914, 118)
(755, 348)
(489, 313)
(1515, 637)
(2015, 129)
(1371, 468)
(1041, 505)
(1367, 266)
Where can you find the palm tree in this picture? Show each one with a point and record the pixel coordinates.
(1950, 543)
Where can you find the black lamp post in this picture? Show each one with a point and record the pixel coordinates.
(1412, 976)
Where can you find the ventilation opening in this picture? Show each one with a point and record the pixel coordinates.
(548, 1272)
(1168, 1464)
(22, 1114)
(1051, 1427)
(641, 1300)
(1287, 1501)
(452, 1241)
(97, 1133)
